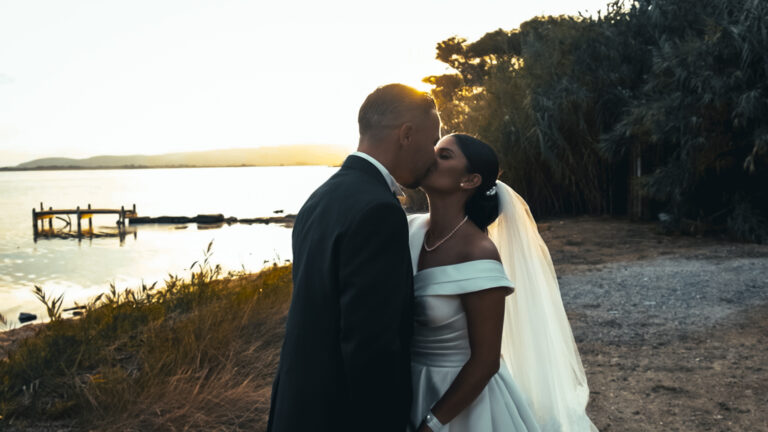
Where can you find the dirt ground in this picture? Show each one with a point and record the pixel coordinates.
(673, 331)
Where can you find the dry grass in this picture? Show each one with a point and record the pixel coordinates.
(199, 354)
(233, 394)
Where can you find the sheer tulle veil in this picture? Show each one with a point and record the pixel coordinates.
(537, 343)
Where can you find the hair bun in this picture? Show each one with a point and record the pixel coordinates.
(483, 206)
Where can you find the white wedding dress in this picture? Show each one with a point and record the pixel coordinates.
(441, 344)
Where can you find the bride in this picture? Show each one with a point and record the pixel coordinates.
(492, 347)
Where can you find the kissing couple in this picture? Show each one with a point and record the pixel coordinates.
(449, 321)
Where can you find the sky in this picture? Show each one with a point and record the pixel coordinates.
(84, 78)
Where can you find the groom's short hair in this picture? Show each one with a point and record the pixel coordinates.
(392, 105)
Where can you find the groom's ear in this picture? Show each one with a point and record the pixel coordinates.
(405, 133)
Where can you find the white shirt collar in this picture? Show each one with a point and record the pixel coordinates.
(393, 186)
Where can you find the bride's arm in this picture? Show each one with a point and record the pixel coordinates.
(485, 318)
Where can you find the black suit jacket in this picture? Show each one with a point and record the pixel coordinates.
(345, 361)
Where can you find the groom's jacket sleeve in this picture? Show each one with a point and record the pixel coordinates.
(374, 306)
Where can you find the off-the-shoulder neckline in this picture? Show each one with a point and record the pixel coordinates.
(458, 264)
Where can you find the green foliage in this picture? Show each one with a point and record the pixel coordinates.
(654, 106)
(144, 357)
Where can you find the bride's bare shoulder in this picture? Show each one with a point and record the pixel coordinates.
(479, 246)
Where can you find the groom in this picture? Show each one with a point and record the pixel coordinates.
(345, 361)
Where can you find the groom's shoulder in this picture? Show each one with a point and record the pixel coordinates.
(349, 193)
(354, 187)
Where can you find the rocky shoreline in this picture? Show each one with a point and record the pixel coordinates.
(213, 219)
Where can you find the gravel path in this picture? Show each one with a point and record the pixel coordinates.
(663, 299)
(672, 331)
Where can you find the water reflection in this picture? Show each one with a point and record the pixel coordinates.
(82, 269)
(119, 232)
(90, 264)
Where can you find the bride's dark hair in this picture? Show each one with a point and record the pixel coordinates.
(481, 207)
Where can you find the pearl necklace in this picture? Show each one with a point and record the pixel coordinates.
(430, 249)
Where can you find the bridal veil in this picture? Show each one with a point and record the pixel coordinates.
(537, 343)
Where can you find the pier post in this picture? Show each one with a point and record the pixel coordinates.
(90, 221)
(79, 229)
(50, 221)
(34, 223)
(42, 221)
(121, 225)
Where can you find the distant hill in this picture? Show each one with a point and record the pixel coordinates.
(261, 156)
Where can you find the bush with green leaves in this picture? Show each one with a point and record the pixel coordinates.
(655, 106)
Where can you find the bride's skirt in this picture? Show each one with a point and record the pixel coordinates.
(501, 407)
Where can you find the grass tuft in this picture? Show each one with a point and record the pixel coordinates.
(52, 305)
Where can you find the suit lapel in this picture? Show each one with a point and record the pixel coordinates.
(417, 228)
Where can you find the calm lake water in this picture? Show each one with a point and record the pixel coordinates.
(84, 269)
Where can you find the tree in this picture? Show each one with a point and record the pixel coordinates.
(655, 106)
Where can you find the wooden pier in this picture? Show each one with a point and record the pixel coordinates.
(42, 215)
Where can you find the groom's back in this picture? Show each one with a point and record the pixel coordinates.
(346, 349)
